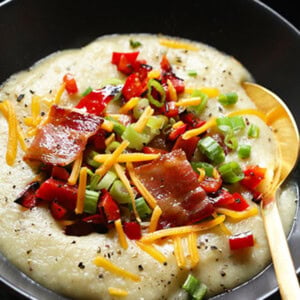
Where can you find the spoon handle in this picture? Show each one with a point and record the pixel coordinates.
(283, 264)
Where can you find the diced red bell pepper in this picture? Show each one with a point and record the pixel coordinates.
(222, 198)
(133, 86)
(60, 173)
(57, 211)
(192, 120)
(110, 207)
(177, 82)
(211, 184)
(176, 132)
(132, 230)
(70, 82)
(165, 64)
(239, 203)
(188, 146)
(95, 102)
(54, 189)
(28, 198)
(151, 150)
(241, 240)
(96, 219)
(98, 140)
(253, 177)
(170, 109)
(125, 61)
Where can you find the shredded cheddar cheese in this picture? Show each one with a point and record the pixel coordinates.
(142, 189)
(107, 125)
(194, 132)
(129, 105)
(189, 101)
(170, 232)
(211, 92)
(154, 218)
(109, 162)
(201, 174)
(127, 157)
(152, 251)
(117, 292)
(110, 139)
(59, 94)
(178, 251)
(75, 170)
(142, 121)
(177, 44)
(121, 235)
(172, 90)
(100, 261)
(223, 227)
(81, 191)
(238, 215)
(193, 250)
(177, 124)
(154, 74)
(249, 111)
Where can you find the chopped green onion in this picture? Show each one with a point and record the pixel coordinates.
(228, 99)
(142, 207)
(135, 44)
(111, 81)
(107, 181)
(244, 151)
(231, 141)
(91, 201)
(87, 91)
(203, 165)
(137, 140)
(154, 84)
(94, 182)
(119, 193)
(231, 172)
(253, 131)
(200, 107)
(157, 122)
(192, 73)
(209, 147)
(89, 159)
(118, 127)
(112, 147)
(140, 107)
(235, 123)
(194, 288)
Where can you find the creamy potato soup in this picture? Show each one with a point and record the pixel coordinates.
(134, 168)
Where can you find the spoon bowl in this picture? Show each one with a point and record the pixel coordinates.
(280, 119)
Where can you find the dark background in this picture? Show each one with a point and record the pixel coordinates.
(286, 8)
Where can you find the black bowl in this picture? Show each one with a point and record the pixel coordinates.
(257, 36)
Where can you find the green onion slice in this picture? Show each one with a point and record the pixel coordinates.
(253, 131)
(118, 127)
(89, 159)
(234, 123)
(91, 201)
(142, 207)
(203, 165)
(244, 151)
(107, 181)
(209, 147)
(192, 73)
(140, 107)
(155, 85)
(231, 172)
(200, 107)
(194, 288)
(137, 140)
(87, 91)
(135, 44)
(228, 99)
(119, 193)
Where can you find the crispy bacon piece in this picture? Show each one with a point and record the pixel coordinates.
(62, 138)
(174, 184)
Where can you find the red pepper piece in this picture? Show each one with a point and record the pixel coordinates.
(133, 86)
(27, 198)
(110, 207)
(64, 194)
(175, 133)
(170, 109)
(98, 140)
(188, 146)
(60, 173)
(71, 85)
(253, 177)
(241, 240)
(222, 198)
(165, 64)
(96, 219)
(129, 56)
(151, 150)
(132, 230)
(192, 120)
(211, 184)
(57, 211)
(239, 203)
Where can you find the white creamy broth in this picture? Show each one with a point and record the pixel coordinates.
(35, 243)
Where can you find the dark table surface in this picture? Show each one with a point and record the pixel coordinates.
(289, 10)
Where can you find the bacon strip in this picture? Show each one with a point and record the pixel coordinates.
(63, 137)
(174, 185)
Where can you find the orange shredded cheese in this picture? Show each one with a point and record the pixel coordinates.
(169, 232)
(152, 251)
(129, 105)
(121, 235)
(142, 189)
(154, 74)
(110, 139)
(177, 44)
(81, 191)
(117, 292)
(142, 121)
(75, 170)
(59, 93)
(107, 164)
(172, 90)
(178, 251)
(194, 132)
(249, 111)
(193, 250)
(201, 174)
(177, 124)
(127, 157)
(211, 92)
(154, 218)
(107, 125)
(100, 261)
(189, 101)
(238, 215)
(121, 174)
(223, 227)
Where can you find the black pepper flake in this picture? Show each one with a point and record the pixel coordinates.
(223, 273)
(31, 92)
(20, 97)
(141, 268)
(28, 252)
(43, 113)
(165, 263)
(81, 265)
(14, 186)
(213, 247)
(100, 276)
(73, 242)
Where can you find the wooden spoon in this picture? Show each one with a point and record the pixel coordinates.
(280, 119)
